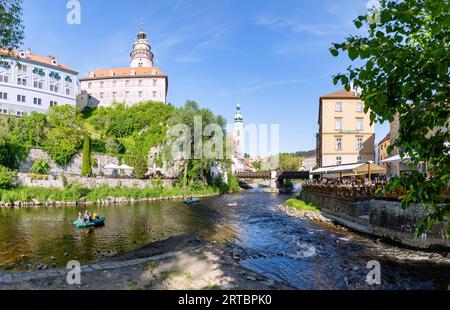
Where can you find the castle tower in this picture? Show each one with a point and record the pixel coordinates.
(238, 131)
(142, 55)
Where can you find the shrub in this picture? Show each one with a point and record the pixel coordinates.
(40, 166)
(7, 178)
(86, 166)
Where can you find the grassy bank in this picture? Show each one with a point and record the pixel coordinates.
(301, 205)
(76, 193)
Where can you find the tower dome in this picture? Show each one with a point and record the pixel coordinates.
(142, 55)
(238, 116)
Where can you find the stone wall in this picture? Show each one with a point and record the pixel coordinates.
(55, 181)
(381, 218)
(389, 220)
(349, 208)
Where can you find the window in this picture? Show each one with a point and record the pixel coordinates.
(21, 98)
(140, 82)
(67, 91)
(19, 113)
(22, 68)
(38, 84)
(338, 143)
(154, 94)
(4, 78)
(127, 94)
(155, 82)
(102, 95)
(359, 124)
(359, 159)
(21, 81)
(114, 83)
(5, 111)
(359, 143)
(338, 160)
(359, 107)
(140, 65)
(53, 103)
(4, 96)
(127, 83)
(54, 88)
(102, 84)
(90, 85)
(37, 101)
(114, 94)
(338, 106)
(338, 123)
(140, 94)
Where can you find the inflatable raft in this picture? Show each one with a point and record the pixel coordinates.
(97, 222)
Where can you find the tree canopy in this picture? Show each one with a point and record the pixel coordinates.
(406, 57)
(11, 27)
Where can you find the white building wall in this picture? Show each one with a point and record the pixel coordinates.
(12, 88)
(128, 90)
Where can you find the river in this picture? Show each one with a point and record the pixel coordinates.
(248, 225)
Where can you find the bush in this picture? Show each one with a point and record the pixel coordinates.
(7, 178)
(86, 166)
(40, 166)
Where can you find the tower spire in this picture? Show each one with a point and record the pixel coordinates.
(141, 56)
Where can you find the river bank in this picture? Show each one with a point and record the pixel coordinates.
(183, 262)
(78, 196)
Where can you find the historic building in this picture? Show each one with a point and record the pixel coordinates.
(34, 83)
(142, 81)
(345, 134)
(310, 161)
(238, 131)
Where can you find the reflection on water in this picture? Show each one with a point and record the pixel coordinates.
(300, 253)
(31, 235)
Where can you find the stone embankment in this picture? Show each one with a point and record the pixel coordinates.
(304, 214)
(84, 202)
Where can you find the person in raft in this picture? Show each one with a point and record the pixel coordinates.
(95, 215)
(80, 217)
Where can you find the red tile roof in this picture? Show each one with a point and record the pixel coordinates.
(124, 72)
(340, 94)
(40, 59)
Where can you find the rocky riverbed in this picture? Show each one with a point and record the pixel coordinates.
(193, 264)
(304, 214)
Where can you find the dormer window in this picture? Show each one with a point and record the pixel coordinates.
(91, 74)
(111, 73)
(22, 54)
(153, 71)
(54, 62)
(133, 72)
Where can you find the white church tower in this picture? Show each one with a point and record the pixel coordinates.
(238, 132)
(141, 56)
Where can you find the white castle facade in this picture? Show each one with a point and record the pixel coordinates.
(142, 81)
(34, 83)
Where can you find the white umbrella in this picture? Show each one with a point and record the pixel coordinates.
(125, 167)
(111, 166)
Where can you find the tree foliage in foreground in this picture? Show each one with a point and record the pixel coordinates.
(406, 58)
(11, 27)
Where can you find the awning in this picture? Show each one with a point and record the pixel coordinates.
(395, 158)
(125, 167)
(350, 169)
(111, 166)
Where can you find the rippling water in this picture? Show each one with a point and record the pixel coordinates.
(299, 253)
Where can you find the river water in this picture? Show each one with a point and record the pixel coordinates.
(299, 253)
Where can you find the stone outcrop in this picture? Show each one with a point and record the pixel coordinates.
(304, 214)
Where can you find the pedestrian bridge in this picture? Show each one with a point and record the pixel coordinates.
(276, 178)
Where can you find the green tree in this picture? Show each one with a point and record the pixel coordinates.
(86, 166)
(7, 178)
(405, 58)
(30, 129)
(139, 164)
(11, 27)
(64, 129)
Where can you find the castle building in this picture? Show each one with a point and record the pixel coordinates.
(345, 133)
(142, 81)
(34, 83)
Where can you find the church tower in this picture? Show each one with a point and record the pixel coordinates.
(238, 131)
(142, 55)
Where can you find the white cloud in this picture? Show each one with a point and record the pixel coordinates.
(271, 84)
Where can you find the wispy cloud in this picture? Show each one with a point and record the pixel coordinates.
(264, 85)
(299, 27)
(188, 59)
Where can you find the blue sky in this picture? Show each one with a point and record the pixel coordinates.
(270, 55)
